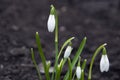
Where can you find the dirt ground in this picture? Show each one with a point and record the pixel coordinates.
(98, 20)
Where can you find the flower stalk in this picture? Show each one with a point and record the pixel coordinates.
(54, 12)
(93, 58)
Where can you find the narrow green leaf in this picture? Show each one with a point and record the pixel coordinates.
(42, 56)
(76, 57)
(82, 75)
(79, 61)
(83, 67)
(84, 64)
(48, 65)
(73, 78)
(59, 69)
(35, 64)
(70, 69)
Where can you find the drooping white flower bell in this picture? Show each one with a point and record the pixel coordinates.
(104, 63)
(68, 52)
(51, 19)
(78, 72)
(51, 23)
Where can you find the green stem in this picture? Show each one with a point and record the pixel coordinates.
(35, 64)
(56, 40)
(93, 58)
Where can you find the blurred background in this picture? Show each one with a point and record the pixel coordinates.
(98, 20)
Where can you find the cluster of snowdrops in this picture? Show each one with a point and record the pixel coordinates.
(75, 63)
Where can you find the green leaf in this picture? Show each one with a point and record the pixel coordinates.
(35, 64)
(76, 57)
(42, 56)
(59, 69)
(84, 64)
(70, 69)
(83, 67)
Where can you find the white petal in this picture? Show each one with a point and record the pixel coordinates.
(78, 72)
(104, 63)
(107, 63)
(67, 52)
(51, 23)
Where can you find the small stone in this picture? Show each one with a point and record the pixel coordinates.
(62, 28)
(19, 51)
(64, 9)
(15, 28)
(1, 66)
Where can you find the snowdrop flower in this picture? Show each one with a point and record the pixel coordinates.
(51, 19)
(51, 23)
(78, 72)
(68, 51)
(104, 63)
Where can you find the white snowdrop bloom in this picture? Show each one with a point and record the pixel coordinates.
(78, 72)
(104, 63)
(51, 23)
(68, 51)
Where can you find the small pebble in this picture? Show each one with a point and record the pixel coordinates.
(1, 66)
(19, 51)
(62, 28)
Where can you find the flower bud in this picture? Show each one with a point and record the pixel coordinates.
(68, 52)
(104, 63)
(78, 72)
(51, 23)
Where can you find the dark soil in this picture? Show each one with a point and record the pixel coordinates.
(99, 20)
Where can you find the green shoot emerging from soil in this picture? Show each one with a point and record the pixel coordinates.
(71, 74)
